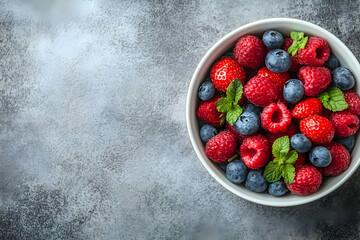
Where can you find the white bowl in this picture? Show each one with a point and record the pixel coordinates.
(284, 25)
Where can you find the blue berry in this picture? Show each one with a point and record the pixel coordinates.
(248, 123)
(223, 165)
(278, 61)
(236, 171)
(342, 78)
(255, 181)
(247, 106)
(293, 90)
(207, 132)
(206, 91)
(278, 188)
(320, 156)
(300, 143)
(273, 39)
(332, 62)
(347, 142)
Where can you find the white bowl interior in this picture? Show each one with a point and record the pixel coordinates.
(284, 25)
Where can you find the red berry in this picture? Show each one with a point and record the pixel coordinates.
(290, 131)
(255, 151)
(317, 129)
(353, 100)
(275, 118)
(300, 160)
(221, 147)
(315, 79)
(278, 78)
(308, 107)
(315, 53)
(250, 52)
(208, 112)
(224, 71)
(340, 160)
(239, 137)
(307, 180)
(345, 123)
(261, 91)
(294, 59)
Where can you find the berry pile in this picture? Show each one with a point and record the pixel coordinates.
(279, 114)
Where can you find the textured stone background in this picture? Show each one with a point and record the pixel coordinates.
(92, 115)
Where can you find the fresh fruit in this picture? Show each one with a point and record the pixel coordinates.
(221, 147)
(206, 91)
(348, 142)
(340, 160)
(255, 151)
(300, 143)
(278, 78)
(278, 61)
(261, 91)
(332, 62)
(255, 181)
(353, 101)
(250, 52)
(318, 129)
(307, 180)
(293, 90)
(273, 39)
(275, 117)
(236, 171)
(224, 71)
(300, 160)
(294, 59)
(320, 156)
(345, 123)
(278, 188)
(308, 107)
(207, 132)
(239, 137)
(315, 53)
(248, 123)
(342, 78)
(315, 79)
(208, 112)
(290, 131)
(251, 108)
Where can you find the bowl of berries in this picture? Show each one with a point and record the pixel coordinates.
(272, 112)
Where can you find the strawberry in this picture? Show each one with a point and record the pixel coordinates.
(250, 52)
(307, 180)
(255, 151)
(308, 107)
(317, 129)
(208, 112)
(315, 79)
(221, 147)
(278, 78)
(340, 160)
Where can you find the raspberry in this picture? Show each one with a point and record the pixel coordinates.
(340, 160)
(250, 52)
(261, 91)
(307, 180)
(345, 123)
(239, 137)
(275, 118)
(224, 71)
(255, 151)
(317, 129)
(294, 59)
(315, 53)
(290, 131)
(278, 78)
(208, 112)
(353, 100)
(221, 147)
(300, 160)
(315, 79)
(308, 107)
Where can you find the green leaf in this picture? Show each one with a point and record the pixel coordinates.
(272, 172)
(224, 104)
(288, 173)
(233, 114)
(297, 35)
(302, 42)
(299, 41)
(281, 147)
(291, 157)
(333, 99)
(234, 90)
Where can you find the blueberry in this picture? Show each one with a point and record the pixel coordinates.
(293, 90)
(207, 132)
(223, 165)
(278, 61)
(248, 123)
(332, 62)
(278, 188)
(273, 39)
(255, 181)
(342, 78)
(320, 156)
(251, 108)
(300, 143)
(347, 142)
(206, 91)
(236, 171)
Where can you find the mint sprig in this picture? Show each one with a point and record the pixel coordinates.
(229, 104)
(299, 41)
(333, 99)
(282, 165)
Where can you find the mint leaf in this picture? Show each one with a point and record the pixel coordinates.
(299, 41)
(233, 114)
(333, 99)
(302, 43)
(234, 90)
(297, 35)
(281, 147)
(272, 172)
(224, 104)
(291, 157)
(288, 173)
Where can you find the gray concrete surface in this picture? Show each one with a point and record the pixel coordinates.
(93, 140)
